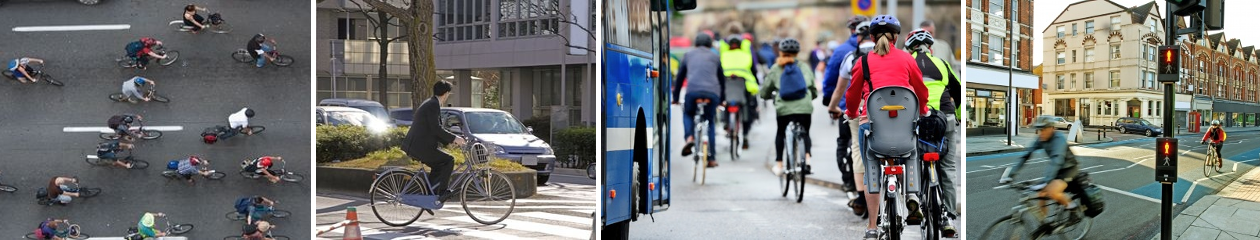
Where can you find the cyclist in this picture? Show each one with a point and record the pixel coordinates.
(192, 166)
(258, 207)
(131, 88)
(427, 136)
(1061, 172)
(259, 49)
(1216, 136)
(60, 192)
(110, 149)
(846, 143)
(47, 229)
(888, 66)
(142, 50)
(737, 65)
(701, 69)
(22, 70)
(239, 121)
(145, 226)
(257, 231)
(262, 166)
(192, 19)
(831, 73)
(122, 125)
(790, 109)
(944, 90)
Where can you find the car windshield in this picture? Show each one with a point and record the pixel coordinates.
(494, 123)
(404, 115)
(350, 118)
(1144, 122)
(379, 112)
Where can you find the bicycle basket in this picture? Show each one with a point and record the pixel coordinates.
(216, 18)
(478, 154)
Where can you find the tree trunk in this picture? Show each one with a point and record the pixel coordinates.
(382, 42)
(420, 47)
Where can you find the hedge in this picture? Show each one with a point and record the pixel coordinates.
(375, 159)
(541, 125)
(577, 142)
(341, 143)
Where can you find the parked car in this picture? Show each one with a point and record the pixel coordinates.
(373, 107)
(327, 115)
(504, 135)
(1060, 123)
(1132, 124)
(402, 116)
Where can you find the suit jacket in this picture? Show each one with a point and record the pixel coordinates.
(427, 134)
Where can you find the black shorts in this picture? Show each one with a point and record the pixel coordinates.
(1068, 174)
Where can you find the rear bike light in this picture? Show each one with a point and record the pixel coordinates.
(931, 157)
(892, 114)
(893, 170)
(892, 110)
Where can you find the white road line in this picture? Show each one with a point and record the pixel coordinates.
(1139, 162)
(72, 28)
(108, 130)
(591, 202)
(549, 229)
(1126, 193)
(555, 217)
(1186, 197)
(1087, 168)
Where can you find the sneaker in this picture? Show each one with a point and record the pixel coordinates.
(686, 149)
(778, 170)
(916, 216)
(806, 170)
(745, 145)
(948, 231)
(871, 234)
(446, 195)
(712, 164)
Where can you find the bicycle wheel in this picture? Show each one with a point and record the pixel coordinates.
(786, 180)
(139, 164)
(7, 188)
(250, 175)
(932, 215)
(1007, 227)
(891, 216)
(240, 55)
(234, 216)
(31, 236)
(799, 169)
(169, 174)
(216, 175)
(292, 177)
(703, 153)
(386, 197)
(491, 195)
(171, 57)
(51, 80)
(180, 228)
(109, 136)
(280, 213)
(118, 97)
(126, 62)
(98, 161)
(150, 134)
(734, 123)
(1208, 164)
(222, 27)
(277, 237)
(159, 98)
(283, 61)
(178, 25)
(257, 129)
(89, 192)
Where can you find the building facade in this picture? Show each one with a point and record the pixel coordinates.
(517, 56)
(1221, 76)
(998, 56)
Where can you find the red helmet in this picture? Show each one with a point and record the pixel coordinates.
(194, 160)
(264, 161)
(148, 41)
(209, 139)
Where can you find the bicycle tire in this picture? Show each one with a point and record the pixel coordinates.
(291, 177)
(178, 25)
(7, 73)
(386, 195)
(1016, 230)
(169, 174)
(89, 192)
(1208, 164)
(51, 80)
(894, 220)
(126, 62)
(150, 134)
(118, 97)
(80, 236)
(43, 201)
(109, 136)
(250, 175)
(30, 235)
(734, 133)
(171, 57)
(281, 213)
(703, 154)
(222, 27)
(786, 180)
(283, 61)
(181, 228)
(491, 191)
(7, 188)
(216, 175)
(234, 216)
(1085, 224)
(242, 56)
(159, 98)
(799, 169)
(257, 129)
(139, 164)
(97, 161)
(932, 220)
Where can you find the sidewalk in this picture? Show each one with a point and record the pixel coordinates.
(1229, 214)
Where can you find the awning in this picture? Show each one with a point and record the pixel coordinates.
(984, 75)
(1182, 106)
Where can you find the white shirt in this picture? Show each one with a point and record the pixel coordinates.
(238, 119)
(129, 88)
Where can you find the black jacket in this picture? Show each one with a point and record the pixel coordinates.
(426, 134)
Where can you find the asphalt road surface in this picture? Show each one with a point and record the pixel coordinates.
(205, 86)
(1125, 171)
(560, 210)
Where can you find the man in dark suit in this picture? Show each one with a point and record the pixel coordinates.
(427, 136)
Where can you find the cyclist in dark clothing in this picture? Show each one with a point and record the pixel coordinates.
(702, 68)
(1062, 167)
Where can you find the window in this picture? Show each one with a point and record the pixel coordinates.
(1073, 55)
(975, 45)
(349, 29)
(1115, 79)
(1115, 51)
(1089, 80)
(1151, 53)
(997, 49)
(1073, 29)
(1015, 53)
(1115, 23)
(1015, 10)
(1059, 58)
(525, 18)
(1058, 82)
(1089, 55)
(1089, 27)
(463, 20)
(1059, 31)
(1152, 23)
(995, 7)
(1144, 80)
(1072, 84)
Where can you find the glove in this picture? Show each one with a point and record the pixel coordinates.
(1005, 180)
(1202, 142)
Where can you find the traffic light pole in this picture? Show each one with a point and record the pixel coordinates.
(1165, 218)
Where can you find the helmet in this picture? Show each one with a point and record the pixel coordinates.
(128, 118)
(249, 113)
(147, 220)
(790, 45)
(148, 41)
(1043, 121)
(1216, 122)
(855, 21)
(194, 160)
(863, 29)
(259, 37)
(264, 161)
(885, 24)
(704, 40)
(140, 81)
(734, 39)
(209, 139)
(918, 36)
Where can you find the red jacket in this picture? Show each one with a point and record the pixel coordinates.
(1218, 138)
(897, 68)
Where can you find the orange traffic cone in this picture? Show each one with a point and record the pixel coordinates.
(352, 228)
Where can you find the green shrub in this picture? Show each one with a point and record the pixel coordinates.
(541, 126)
(378, 158)
(350, 142)
(578, 142)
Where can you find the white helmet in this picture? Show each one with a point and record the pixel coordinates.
(1216, 122)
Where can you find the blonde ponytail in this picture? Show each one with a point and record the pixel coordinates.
(883, 43)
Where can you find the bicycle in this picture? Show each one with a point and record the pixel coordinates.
(37, 70)
(42, 198)
(934, 216)
(214, 24)
(398, 190)
(1213, 162)
(133, 62)
(136, 131)
(243, 56)
(736, 122)
(1046, 224)
(794, 171)
(269, 211)
(170, 230)
(701, 128)
(590, 170)
(151, 93)
(284, 175)
(223, 132)
(135, 163)
(268, 234)
(7, 188)
(71, 232)
(214, 175)
(887, 143)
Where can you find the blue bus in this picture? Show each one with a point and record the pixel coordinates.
(636, 89)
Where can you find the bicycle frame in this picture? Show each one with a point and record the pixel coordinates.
(430, 201)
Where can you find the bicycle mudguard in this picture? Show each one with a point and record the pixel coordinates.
(422, 201)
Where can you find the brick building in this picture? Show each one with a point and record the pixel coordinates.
(990, 33)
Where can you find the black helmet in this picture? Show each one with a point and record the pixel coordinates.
(790, 45)
(703, 40)
(128, 118)
(249, 113)
(259, 37)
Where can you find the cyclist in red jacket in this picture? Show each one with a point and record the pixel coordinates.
(1216, 136)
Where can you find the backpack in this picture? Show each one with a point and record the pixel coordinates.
(242, 204)
(932, 128)
(134, 47)
(216, 19)
(1214, 133)
(792, 85)
(104, 148)
(39, 230)
(1093, 199)
(172, 165)
(115, 121)
(41, 193)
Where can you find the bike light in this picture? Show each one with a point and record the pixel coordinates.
(931, 157)
(651, 186)
(612, 193)
(892, 187)
(892, 110)
(893, 170)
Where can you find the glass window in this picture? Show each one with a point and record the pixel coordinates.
(1089, 27)
(1115, 23)
(1089, 54)
(995, 7)
(1115, 51)
(1115, 79)
(1072, 84)
(494, 123)
(1073, 29)
(997, 49)
(1059, 32)
(1059, 57)
(1089, 80)
(975, 45)
(1058, 83)
(1073, 55)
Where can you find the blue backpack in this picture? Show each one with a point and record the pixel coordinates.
(134, 47)
(172, 165)
(242, 204)
(792, 85)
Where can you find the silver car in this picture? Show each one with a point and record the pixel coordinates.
(506, 137)
(1061, 123)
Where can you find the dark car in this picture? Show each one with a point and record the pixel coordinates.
(1132, 124)
(373, 107)
(505, 136)
(402, 116)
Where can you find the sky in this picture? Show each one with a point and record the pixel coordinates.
(1044, 12)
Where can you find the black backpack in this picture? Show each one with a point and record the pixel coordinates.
(1091, 195)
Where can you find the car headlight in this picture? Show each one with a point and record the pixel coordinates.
(547, 150)
(494, 148)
